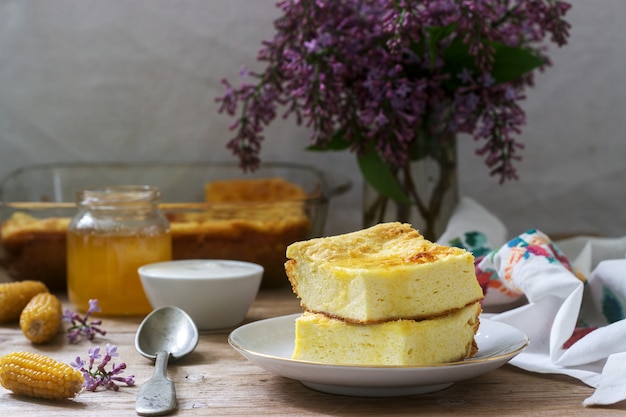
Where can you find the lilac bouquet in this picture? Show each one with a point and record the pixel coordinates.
(396, 81)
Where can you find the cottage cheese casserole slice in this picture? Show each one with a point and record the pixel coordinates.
(384, 296)
(388, 271)
(442, 339)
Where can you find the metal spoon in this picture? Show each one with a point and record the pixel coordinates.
(166, 331)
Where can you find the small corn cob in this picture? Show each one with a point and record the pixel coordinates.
(15, 295)
(41, 318)
(39, 376)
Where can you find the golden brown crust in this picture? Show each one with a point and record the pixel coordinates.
(290, 271)
(35, 249)
(257, 231)
(39, 253)
(472, 349)
(418, 318)
(383, 246)
(21, 227)
(258, 189)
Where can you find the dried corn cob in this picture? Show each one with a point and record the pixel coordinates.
(39, 376)
(41, 318)
(15, 295)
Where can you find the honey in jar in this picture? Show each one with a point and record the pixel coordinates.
(117, 229)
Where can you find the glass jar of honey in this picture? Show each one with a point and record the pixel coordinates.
(116, 230)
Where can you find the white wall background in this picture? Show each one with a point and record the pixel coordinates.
(135, 80)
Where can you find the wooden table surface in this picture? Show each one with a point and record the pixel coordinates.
(215, 380)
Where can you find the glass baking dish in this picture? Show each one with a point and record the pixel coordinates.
(37, 202)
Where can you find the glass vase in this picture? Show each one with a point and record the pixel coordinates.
(432, 187)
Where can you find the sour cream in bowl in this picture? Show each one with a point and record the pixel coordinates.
(216, 293)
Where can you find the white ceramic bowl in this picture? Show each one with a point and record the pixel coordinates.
(216, 293)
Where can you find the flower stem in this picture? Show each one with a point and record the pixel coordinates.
(426, 206)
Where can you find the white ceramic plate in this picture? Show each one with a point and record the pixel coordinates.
(269, 343)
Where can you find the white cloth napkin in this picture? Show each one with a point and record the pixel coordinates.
(574, 312)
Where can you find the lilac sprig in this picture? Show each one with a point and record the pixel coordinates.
(96, 375)
(81, 325)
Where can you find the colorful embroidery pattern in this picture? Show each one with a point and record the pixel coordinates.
(475, 242)
(528, 244)
(488, 278)
(533, 243)
(612, 308)
(485, 277)
(578, 334)
(538, 244)
(496, 271)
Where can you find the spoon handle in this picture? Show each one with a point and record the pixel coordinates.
(158, 395)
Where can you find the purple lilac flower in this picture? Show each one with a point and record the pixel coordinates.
(96, 375)
(81, 325)
(376, 71)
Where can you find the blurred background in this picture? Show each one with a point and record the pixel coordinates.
(136, 80)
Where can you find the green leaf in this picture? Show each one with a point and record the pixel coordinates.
(337, 143)
(435, 35)
(377, 173)
(509, 64)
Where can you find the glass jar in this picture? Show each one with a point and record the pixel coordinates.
(116, 230)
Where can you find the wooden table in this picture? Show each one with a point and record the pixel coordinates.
(216, 381)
